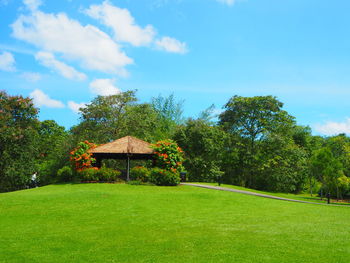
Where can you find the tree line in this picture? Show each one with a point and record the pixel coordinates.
(253, 142)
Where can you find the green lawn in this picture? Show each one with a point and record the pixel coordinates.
(302, 196)
(127, 223)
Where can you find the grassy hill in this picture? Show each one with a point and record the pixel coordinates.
(126, 223)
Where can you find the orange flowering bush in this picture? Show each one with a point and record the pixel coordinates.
(81, 157)
(168, 156)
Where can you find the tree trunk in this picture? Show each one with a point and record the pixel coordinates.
(311, 186)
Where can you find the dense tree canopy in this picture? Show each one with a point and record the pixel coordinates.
(18, 140)
(254, 117)
(204, 148)
(254, 143)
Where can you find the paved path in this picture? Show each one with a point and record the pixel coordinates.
(256, 194)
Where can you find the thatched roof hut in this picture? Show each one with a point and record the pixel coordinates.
(127, 145)
(125, 148)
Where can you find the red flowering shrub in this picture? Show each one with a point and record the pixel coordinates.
(81, 157)
(168, 156)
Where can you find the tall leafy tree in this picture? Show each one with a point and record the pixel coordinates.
(18, 141)
(283, 165)
(327, 168)
(253, 119)
(53, 147)
(169, 114)
(142, 121)
(103, 119)
(204, 147)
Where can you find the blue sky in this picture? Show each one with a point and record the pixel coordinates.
(64, 53)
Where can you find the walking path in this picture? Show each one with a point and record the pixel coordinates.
(256, 194)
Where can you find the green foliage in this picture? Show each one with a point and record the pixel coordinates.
(164, 177)
(327, 169)
(88, 175)
(53, 147)
(168, 155)
(103, 119)
(254, 117)
(282, 166)
(204, 147)
(339, 146)
(253, 120)
(18, 141)
(256, 144)
(103, 174)
(141, 121)
(140, 173)
(109, 117)
(169, 115)
(108, 174)
(343, 185)
(65, 174)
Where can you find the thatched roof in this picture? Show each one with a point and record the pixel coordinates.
(125, 145)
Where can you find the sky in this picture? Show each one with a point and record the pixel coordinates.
(64, 53)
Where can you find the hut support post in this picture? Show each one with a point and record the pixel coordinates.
(128, 169)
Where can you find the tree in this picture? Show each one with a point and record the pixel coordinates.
(142, 121)
(53, 148)
(327, 168)
(169, 114)
(339, 146)
(18, 140)
(253, 119)
(283, 165)
(103, 119)
(204, 146)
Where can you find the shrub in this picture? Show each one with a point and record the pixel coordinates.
(101, 175)
(108, 174)
(65, 174)
(168, 155)
(140, 173)
(81, 157)
(88, 175)
(164, 177)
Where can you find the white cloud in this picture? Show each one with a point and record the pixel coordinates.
(32, 4)
(123, 24)
(104, 87)
(76, 106)
(49, 60)
(7, 62)
(31, 76)
(88, 45)
(126, 30)
(171, 45)
(42, 99)
(227, 2)
(333, 128)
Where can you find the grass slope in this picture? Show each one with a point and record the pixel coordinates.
(126, 223)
